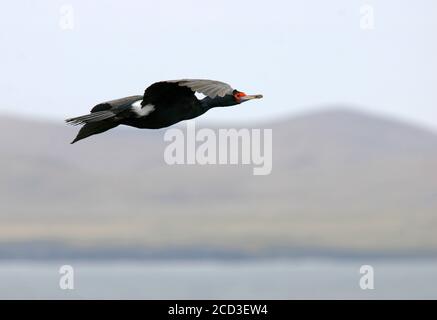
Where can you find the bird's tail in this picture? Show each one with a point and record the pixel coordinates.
(95, 122)
(92, 128)
(92, 117)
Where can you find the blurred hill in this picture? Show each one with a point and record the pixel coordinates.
(343, 182)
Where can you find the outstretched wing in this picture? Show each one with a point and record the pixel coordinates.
(172, 92)
(105, 110)
(116, 105)
(210, 88)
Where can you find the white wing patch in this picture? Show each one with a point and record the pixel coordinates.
(142, 111)
(199, 95)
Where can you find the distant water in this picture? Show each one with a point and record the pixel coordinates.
(284, 279)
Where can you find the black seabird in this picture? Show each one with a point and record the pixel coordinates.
(163, 104)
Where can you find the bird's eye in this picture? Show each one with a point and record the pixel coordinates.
(238, 95)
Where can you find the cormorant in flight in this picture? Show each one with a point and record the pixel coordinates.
(163, 104)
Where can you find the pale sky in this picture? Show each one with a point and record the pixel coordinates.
(300, 55)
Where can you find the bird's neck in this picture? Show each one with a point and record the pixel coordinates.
(208, 103)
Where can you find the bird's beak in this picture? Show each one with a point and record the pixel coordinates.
(250, 97)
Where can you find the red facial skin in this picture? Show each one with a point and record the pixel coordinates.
(239, 95)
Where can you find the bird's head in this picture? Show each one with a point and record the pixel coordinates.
(230, 99)
(240, 97)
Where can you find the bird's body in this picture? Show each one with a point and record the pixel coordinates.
(163, 104)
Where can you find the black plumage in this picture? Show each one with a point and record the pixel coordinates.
(163, 104)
